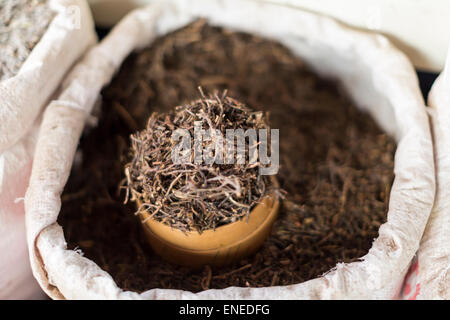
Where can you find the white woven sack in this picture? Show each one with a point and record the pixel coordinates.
(430, 276)
(378, 77)
(22, 98)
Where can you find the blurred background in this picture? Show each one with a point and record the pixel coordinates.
(420, 28)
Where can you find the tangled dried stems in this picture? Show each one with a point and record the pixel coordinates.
(194, 195)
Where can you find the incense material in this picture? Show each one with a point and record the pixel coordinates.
(193, 194)
(336, 164)
(22, 24)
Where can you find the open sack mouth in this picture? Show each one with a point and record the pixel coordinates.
(17, 36)
(336, 164)
(346, 124)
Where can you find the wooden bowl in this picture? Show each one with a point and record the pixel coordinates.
(222, 246)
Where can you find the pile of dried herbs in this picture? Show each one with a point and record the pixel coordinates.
(336, 165)
(22, 24)
(195, 194)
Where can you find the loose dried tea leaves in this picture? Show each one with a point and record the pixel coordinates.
(197, 193)
(22, 24)
(336, 165)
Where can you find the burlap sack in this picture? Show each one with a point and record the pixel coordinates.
(429, 278)
(22, 98)
(376, 75)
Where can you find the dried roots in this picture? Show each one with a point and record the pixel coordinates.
(191, 195)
